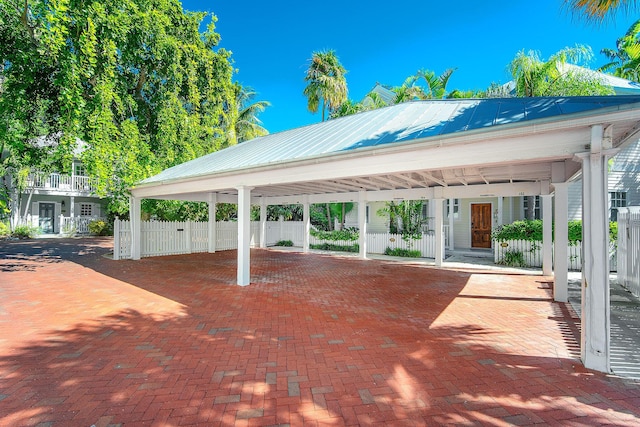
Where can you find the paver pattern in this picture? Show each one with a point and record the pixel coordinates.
(314, 340)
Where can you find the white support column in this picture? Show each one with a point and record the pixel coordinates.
(263, 223)
(500, 211)
(72, 206)
(134, 216)
(212, 225)
(306, 220)
(362, 223)
(244, 235)
(451, 222)
(438, 205)
(561, 243)
(547, 235)
(595, 270)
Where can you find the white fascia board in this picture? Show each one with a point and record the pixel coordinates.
(387, 160)
(457, 192)
(492, 190)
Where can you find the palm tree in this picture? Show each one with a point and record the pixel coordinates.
(436, 85)
(534, 77)
(598, 10)
(248, 126)
(625, 61)
(326, 82)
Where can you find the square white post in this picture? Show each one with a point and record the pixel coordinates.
(439, 252)
(561, 243)
(547, 235)
(244, 235)
(263, 223)
(212, 225)
(595, 272)
(362, 223)
(451, 222)
(306, 220)
(134, 216)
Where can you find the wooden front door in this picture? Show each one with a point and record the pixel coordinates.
(481, 225)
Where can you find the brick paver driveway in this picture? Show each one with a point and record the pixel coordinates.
(315, 340)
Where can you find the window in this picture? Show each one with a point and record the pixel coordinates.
(79, 169)
(425, 210)
(536, 207)
(86, 209)
(456, 208)
(617, 199)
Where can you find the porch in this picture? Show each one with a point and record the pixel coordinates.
(61, 182)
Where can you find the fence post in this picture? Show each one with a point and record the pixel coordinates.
(187, 232)
(116, 239)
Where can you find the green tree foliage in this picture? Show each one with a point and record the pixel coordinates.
(326, 82)
(248, 126)
(405, 218)
(535, 77)
(135, 79)
(599, 10)
(624, 61)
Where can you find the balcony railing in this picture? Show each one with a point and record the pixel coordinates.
(56, 181)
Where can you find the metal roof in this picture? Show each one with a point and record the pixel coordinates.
(397, 124)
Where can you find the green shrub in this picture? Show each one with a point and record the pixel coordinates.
(519, 230)
(513, 259)
(531, 230)
(4, 230)
(407, 253)
(284, 243)
(348, 234)
(336, 248)
(99, 227)
(25, 232)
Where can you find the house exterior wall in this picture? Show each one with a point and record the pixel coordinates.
(81, 208)
(624, 176)
(375, 223)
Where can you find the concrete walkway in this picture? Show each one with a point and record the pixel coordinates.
(314, 340)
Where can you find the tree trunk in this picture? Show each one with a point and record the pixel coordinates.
(343, 215)
(531, 208)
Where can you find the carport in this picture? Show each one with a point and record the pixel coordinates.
(431, 150)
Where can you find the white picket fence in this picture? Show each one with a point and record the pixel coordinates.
(377, 243)
(173, 238)
(532, 253)
(629, 249)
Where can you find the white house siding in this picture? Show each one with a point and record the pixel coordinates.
(624, 175)
(376, 223)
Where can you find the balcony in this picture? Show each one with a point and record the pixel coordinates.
(64, 183)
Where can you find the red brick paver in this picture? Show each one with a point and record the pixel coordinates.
(315, 340)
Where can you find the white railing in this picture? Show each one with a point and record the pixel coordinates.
(171, 238)
(530, 254)
(377, 243)
(56, 181)
(77, 225)
(629, 249)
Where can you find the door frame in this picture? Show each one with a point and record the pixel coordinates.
(53, 215)
(471, 204)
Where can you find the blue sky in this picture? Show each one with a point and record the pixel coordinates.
(387, 41)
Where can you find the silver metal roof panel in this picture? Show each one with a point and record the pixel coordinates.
(390, 125)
